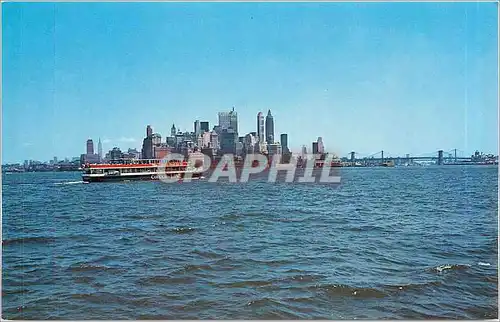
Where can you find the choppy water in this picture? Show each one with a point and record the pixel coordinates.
(388, 243)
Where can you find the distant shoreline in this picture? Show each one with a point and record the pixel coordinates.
(357, 167)
(11, 171)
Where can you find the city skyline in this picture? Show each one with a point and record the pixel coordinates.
(361, 76)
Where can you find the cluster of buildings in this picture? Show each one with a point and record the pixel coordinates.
(484, 158)
(114, 154)
(222, 138)
(39, 166)
(90, 156)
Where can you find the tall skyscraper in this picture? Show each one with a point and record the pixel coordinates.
(228, 141)
(321, 147)
(149, 144)
(228, 119)
(284, 143)
(315, 148)
(99, 149)
(304, 151)
(214, 140)
(260, 127)
(173, 130)
(250, 143)
(205, 127)
(149, 131)
(269, 128)
(90, 147)
(197, 128)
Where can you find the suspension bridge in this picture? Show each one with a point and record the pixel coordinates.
(439, 157)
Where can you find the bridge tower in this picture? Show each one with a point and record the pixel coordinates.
(440, 157)
(455, 155)
(382, 155)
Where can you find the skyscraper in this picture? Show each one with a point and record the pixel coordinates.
(90, 147)
(284, 143)
(250, 143)
(149, 130)
(205, 127)
(260, 127)
(228, 119)
(315, 148)
(228, 141)
(149, 144)
(99, 149)
(269, 128)
(321, 147)
(197, 128)
(214, 140)
(304, 151)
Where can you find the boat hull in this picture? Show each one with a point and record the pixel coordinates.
(139, 177)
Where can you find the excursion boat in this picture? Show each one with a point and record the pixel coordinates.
(137, 170)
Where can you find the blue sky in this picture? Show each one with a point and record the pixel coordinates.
(399, 77)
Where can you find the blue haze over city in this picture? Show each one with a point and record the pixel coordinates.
(403, 78)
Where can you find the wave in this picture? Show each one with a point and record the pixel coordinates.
(26, 240)
(346, 290)
(302, 278)
(417, 286)
(198, 304)
(230, 217)
(272, 282)
(243, 284)
(84, 267)
(68, 182)
(183, 230)
(278, 262)
(160, 279)
(193, 268)
(491, 279)
(206, 254)
(6, 292)
(107, 258)
(272, 309)
(98, 297)
(83, 280)
(453, 267)
(262, 302)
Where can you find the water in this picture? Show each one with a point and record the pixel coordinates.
(388, 243)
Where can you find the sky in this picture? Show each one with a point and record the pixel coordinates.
(400, 77)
